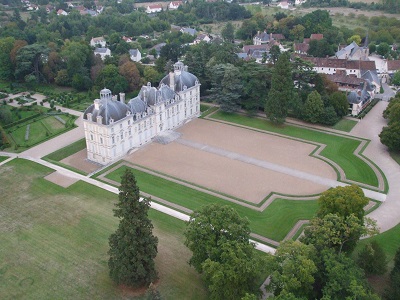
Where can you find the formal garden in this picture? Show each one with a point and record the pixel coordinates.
(27, 126)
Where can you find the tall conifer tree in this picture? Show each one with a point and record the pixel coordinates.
(133, 246)
(281, 92)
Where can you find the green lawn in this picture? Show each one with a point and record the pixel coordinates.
(3, 158)
(66, 151)
(41, 129)
(395, 156)
(345, 125)
(339, 148)
(274, 222)
(54, 241)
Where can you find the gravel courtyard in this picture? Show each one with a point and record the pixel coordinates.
(229, 176)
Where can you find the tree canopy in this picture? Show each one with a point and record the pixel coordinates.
(133, 246)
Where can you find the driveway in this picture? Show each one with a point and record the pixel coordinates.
(388, 214)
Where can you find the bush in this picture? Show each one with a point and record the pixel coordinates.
(372, 259)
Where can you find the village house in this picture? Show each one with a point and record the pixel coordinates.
(154, 8)
(103, 52)
(202, 38)
(302, 48)
(135, 55)
(174, 5)
(98, 41)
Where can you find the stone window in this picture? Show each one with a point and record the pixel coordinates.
(129, 122)
(91, 137)
(113, 140)
(101, 140)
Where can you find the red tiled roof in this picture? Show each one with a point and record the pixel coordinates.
(393, 65)
(316, 36)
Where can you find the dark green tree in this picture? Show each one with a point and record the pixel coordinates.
(343, 201)
(29, 61)
(383, 49)
(372, 259)
(335, 232)
(209, 228)
(396, 79)
(133, 246)
(228, 32)
(393, 292)
(339, 102)
(281, 92)
(293, 270)
(226, 86)
(234, 273)
(342, 279)
(390, 136)
(313, 108)
(6, 66)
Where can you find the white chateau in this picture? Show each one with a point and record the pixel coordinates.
(112, 128)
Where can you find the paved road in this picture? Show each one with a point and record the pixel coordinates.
(388, 214)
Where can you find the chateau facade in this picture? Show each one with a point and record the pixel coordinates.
(112, 128)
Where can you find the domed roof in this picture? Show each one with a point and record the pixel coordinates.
(353, 98)
(165, 92)
(181, 79)
(137, 105)
(110, 109)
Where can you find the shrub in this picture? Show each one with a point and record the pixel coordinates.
(372, 259)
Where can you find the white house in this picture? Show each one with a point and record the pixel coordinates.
(202, 38)
(174, 5)
(283, 5)
(61, 12)
(112, 128)
(299, 2)
(135, 55)
(262, 38)
(189, 30)
(154, 8)
(94, 42)
(103, 52)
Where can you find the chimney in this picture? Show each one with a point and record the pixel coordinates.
(122, 97)
(97, 104)
(172, 80)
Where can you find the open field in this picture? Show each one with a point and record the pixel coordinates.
(274, 222)
(240, 178)
(54, 241)
(339, 148)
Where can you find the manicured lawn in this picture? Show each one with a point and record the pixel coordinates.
(3, 158)
(395, 156)
(388, 240)
(345, 125)
(274, 222)
(339, 148)
(54, 241)
(66, 151)
(41, 129)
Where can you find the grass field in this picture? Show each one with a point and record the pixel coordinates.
(345, 125)
(339, 148)
(54, 241)
(66, 151)
(274, 222)
(3, 158)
